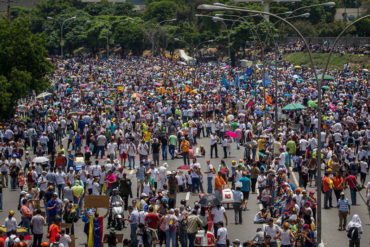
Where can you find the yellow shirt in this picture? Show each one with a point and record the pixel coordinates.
(261, 144)
(147, 136)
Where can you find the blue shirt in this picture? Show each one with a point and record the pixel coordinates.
(343, 205)
(52, 212)
(245, 183)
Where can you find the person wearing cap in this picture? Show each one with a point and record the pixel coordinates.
(170, 226)
(308, 236)
(344, 209)
(52, 208)
(10, 223)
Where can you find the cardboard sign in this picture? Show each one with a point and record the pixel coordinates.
(96, 201)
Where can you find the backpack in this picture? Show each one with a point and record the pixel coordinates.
(10, 242)
(353, 233)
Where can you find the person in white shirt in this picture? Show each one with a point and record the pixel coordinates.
(221, 235)
(65, 239)
(214, 140)
(218, 214)
(60, 178)
(273, 231)
(10, 223)
(96, 187)
(210, 173)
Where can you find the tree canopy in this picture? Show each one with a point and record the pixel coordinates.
(23, 64)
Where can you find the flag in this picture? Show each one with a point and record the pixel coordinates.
(236, 81)
(267, 80)
(224, 82)
(268, 99)
(250, 102)
(249, 71)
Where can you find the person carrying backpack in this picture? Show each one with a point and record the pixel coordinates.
(354, 231)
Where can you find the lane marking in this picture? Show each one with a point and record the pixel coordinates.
(294, 177)
(187, 196)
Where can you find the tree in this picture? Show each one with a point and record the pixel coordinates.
(130, 36)
(23, 64)
(161, 11)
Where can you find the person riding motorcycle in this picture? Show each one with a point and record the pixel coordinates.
(116, 209)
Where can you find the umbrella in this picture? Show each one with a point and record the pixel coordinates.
(325, 87)
(258, 112)
(83, 85)
(43, 95)
(231, 134)
(294, 106)
(297, 67)
(210, 83)
(188, 82)
(40, 159)
(300, 80)
(135, 95)
(157, 84)
(184, 167)
(296, 76)
(326, 77)
(209, 200)
(311, 103)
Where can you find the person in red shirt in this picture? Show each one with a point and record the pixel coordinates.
(54, 229)
(326, 189)
(351, 181)
(152, 219)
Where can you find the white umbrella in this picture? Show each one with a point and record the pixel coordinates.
(43, 95)
(40, 159)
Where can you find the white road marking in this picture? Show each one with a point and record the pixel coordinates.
(187, 196)
(294, 177)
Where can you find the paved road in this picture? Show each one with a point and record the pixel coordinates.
(247, 230)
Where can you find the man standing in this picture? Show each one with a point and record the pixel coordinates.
(134, 221)
(219, 183)
(101, 142)
(221, 235)
(214, 140)
(192, 227)
(326, 189)
(246, 185)
(210, 171)
(351, 181)
(185, 146)
(273, 231)
(344, 209)
(172, 146)
(238, 199)
(37, 222)
(125, 189)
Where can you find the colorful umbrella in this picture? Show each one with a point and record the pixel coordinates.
(135, 95)
(294, 106)
(184, 167)
(231, 134)
(311, 103)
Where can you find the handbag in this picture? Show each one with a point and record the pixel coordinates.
(358, 187)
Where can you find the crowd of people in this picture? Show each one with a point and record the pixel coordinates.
(115, 126)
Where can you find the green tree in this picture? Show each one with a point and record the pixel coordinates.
(130, 36)
(23, 64)
(160, 11)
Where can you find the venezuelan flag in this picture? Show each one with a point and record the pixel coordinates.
(250, 103)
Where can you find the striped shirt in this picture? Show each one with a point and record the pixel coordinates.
(343, 205)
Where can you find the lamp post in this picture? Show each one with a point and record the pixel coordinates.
(61, 31)
(319, 84)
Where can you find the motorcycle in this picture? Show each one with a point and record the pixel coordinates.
(117, 216)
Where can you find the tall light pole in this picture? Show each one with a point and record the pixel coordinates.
(319, 89)
(61, 31)
(219, 19)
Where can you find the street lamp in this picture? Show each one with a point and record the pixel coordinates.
(61, 31)
(219, 19)
(319, 85)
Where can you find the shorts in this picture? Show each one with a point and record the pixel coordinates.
(245, 195)
(123, 156)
